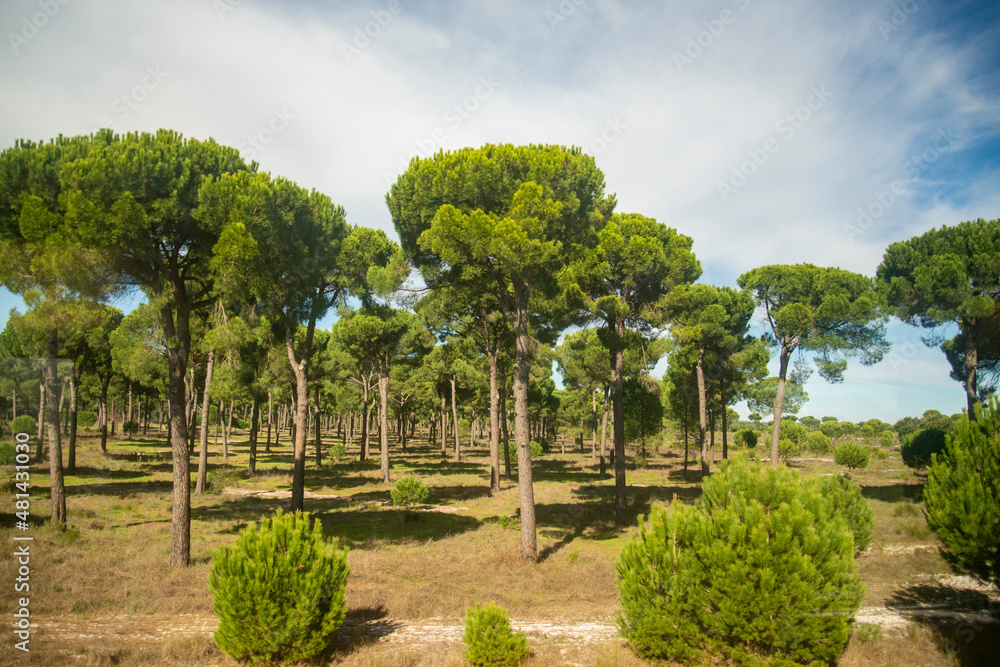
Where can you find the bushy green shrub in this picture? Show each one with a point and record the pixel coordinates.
(962, 495)
(408, 491)
(919, 447)
(338, 451)
(881, 454)
(223, 477)
(8, 453)
(885, 438)
(130, 428)
(788, 448)
(762, 567)
(852, 455)
(818, 443)
(640, 462)
(489, 640)
(24, 424)
(830, 429)
(279, 591)
(536, 449)
(86, 418)
(748, 438)
(847, 502)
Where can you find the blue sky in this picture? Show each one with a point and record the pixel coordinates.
(768, 132)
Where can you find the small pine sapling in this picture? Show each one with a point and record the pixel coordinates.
(408, 491)
(962, 495)
(851, 455)
(489, 640)
(279, 591)
(919, 448)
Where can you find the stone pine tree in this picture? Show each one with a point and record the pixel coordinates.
(511, 218)
(949, 275)
(130, 199)
(636, 262)
(713, 323)
(50, 263)
(828, 311)
(291, 252)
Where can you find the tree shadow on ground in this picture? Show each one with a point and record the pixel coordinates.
(358, 528)
(361, 626)
(446, 494)
(103, 475)
(893, 493)
(562, 471)
(120, 489)
(967, 621)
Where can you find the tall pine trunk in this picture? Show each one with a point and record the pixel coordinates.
(383, 421)
(494, 425)
(702, 412)
(454, 415)
(206, 403)
(522, 369)
(58, 489)
(779, 402)
(618, 417)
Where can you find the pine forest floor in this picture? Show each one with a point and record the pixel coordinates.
(102, 592)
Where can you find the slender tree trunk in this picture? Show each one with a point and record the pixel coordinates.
(300, 367)
(971, 365)
(494, 424)
(58, 489)
(444, 425)
(502, 381)
(105, 383)
(618, 413)
(725, 421)
(206, 403)
(454, 414)
(225, 428)
(702, 412)
(270, 414)
(41, 417)
(522, 369)
(71, 462)
(319, 443)
(177, 361)
(364, 420)
(604, 433)
(779, 401)
(254, 430)
(383, 420)
(593, 438)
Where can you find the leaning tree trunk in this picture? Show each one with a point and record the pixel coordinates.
(206, 403)
(604, 433)
(779, 402)
(41, 418)
(593, 443)
(58, 488)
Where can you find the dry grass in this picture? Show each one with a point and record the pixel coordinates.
(405, 565)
